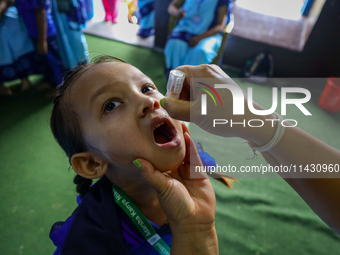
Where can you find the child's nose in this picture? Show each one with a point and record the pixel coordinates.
(148, 105)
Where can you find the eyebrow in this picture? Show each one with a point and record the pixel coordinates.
(99, 92)
(108, 86)
(142, 76)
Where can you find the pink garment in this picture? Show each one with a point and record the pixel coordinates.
(111, 8)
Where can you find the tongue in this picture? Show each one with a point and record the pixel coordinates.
(163, 134)
(161, 138)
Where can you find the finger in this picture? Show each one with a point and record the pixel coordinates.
(177, 109)
(185, 128)
(184, 170)
(192, 158)
(187, 150)
(202, 71)
(192, 154)
(154, 178)
(216, 69)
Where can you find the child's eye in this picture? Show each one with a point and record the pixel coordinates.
(147, 88)
(110, 106)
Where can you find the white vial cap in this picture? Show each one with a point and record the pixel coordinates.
(175, 81)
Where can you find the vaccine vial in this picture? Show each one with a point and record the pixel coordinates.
(175, 83)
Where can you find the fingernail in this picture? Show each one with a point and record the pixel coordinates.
(137, 163)
(162, 102)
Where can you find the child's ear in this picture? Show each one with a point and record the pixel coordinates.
(88, 165)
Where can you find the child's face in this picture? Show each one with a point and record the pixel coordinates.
(120, 113)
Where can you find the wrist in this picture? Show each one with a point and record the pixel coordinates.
(191, 228)
(195, 239)
(260, 135)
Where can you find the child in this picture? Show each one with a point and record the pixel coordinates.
(111, 8)
(16, 49)
(104, 125)
(37, 17)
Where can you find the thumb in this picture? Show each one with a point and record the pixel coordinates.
(153, 177)
(177, 109)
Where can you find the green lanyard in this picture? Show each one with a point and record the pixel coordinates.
(140, 221)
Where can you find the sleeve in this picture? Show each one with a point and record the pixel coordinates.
(41, 4)
(59, 233)
(223, 3)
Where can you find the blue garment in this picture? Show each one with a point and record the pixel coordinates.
(27, 9)
(200, 16)
(89, 9)
(16, 48)
(147, 18)
(50, 64)
(134, 240)
(71, 40)
(77, 15)
(99, 226)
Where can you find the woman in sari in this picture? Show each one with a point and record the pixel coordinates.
(198, 35)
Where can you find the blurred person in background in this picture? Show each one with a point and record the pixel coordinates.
(111, 8)
(37, 17)
(147, 18)
(197, 37)
(70, 18)
(16, 49)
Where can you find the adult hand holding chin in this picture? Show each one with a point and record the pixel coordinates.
(188, 203)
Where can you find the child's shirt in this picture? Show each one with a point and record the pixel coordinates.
(100, 226)
(26, 9)
(135, 241)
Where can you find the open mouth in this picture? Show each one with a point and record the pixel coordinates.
(163, 133)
